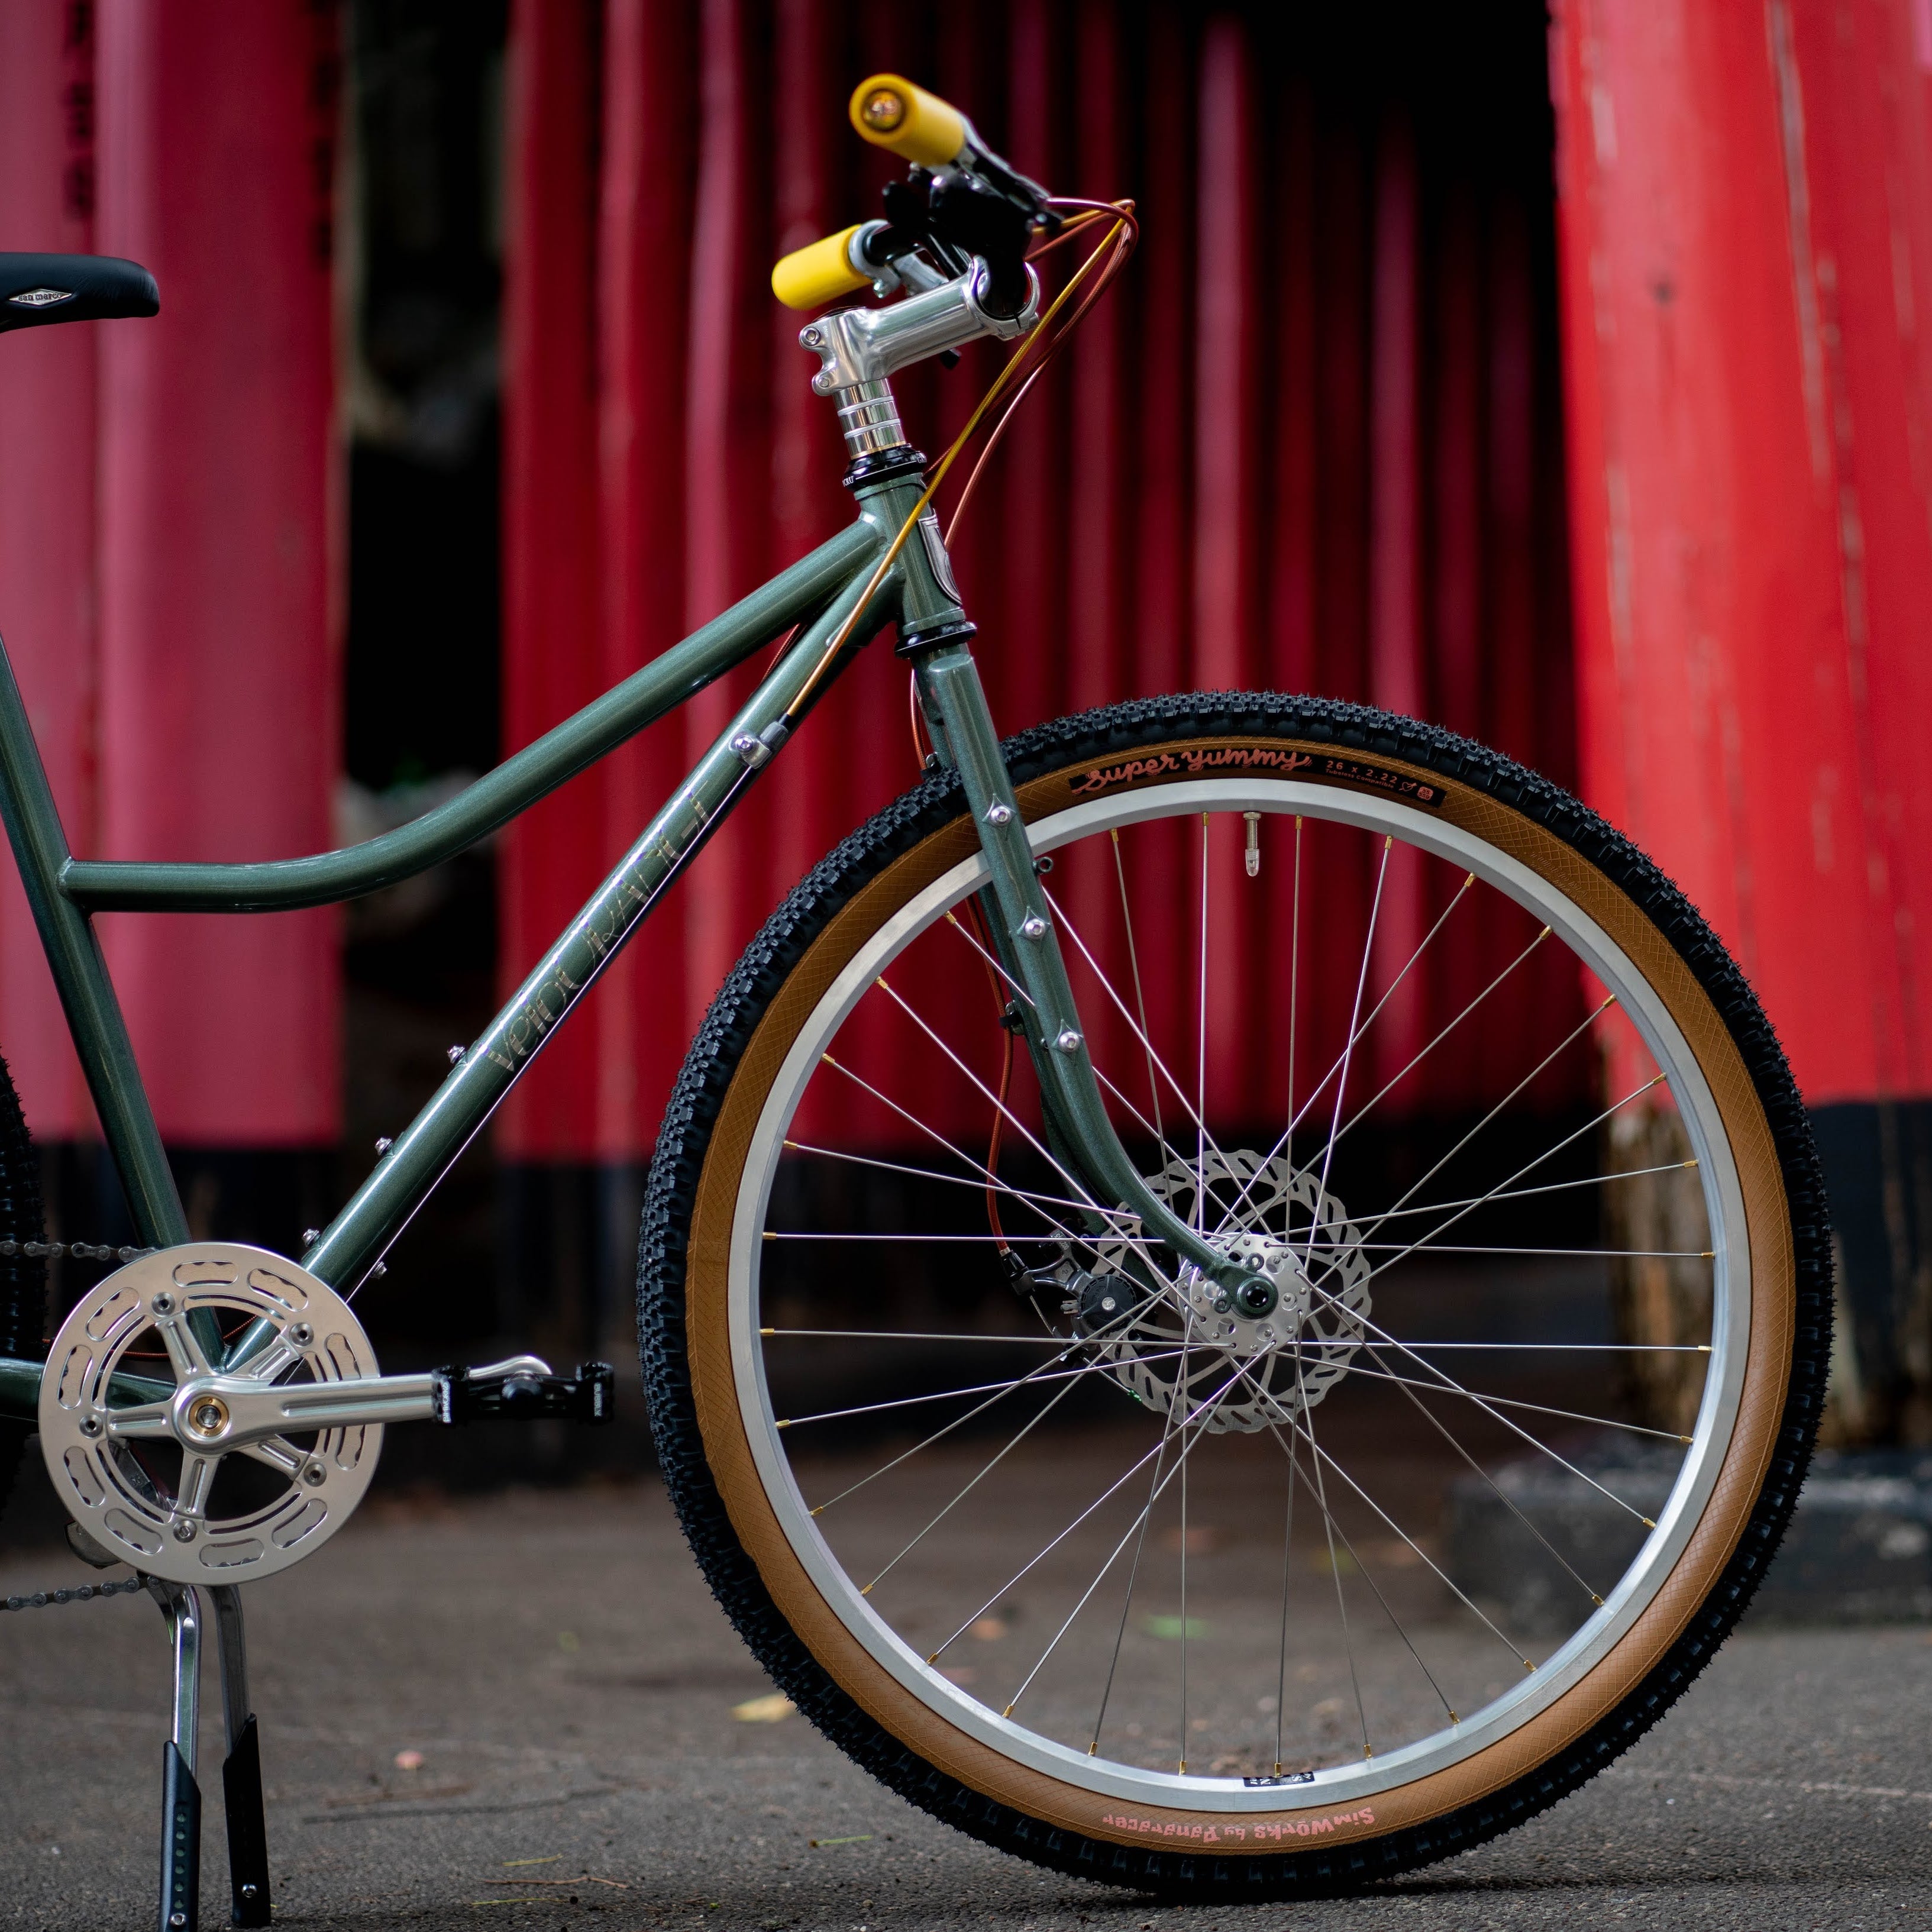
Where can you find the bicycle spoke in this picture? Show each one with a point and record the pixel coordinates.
(1200, 1223)
(1361, 1112)
(1137, 1028)
(1140, 997)
(1429, 1415)
(958, 1422)
(1287, 1141)
(1389, 992)
(1060, 1341)
(1040, 1555)
(1298, 1424)
(1287, 1559)
(1368, 1577)
(1140, 1544)
(1341, 1084)
(1334, 1568)
(1136, 1528)
(951, 1395)
(1017, 1125)
(1045, 1410)
(1511, 1402)
(1029, 1197)
(1548, 1187)
(1562, 1045)
(1427, 1240)
(1384, 1339)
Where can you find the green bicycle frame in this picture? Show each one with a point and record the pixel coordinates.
(832, 590)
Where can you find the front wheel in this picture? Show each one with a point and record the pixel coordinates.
(1240, 1601)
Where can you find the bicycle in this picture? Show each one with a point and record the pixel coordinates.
(1140, 1296)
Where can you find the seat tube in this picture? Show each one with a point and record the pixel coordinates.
(87, 995)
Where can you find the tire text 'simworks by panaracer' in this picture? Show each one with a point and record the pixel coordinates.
(1221, 1832)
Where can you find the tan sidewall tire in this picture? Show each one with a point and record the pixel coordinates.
(1716, 1567)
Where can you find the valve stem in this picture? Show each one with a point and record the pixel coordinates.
(1254, 852)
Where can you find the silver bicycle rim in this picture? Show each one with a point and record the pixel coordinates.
(1591, 1641)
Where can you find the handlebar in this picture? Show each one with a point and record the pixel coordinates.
(822, 272)
(961, 204)
(907, 120)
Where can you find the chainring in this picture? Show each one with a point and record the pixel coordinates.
(198, 1515)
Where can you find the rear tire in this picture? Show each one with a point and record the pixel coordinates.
(705, 1385)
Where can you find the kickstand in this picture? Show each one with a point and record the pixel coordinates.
(181, 1796)
(241, 1770)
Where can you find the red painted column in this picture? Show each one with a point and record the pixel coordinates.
(220, 513)
(1746, 238)
(48, 589)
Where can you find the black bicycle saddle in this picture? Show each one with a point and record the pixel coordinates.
(37, 289)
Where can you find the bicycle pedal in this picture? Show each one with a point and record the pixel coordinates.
(524, 1389)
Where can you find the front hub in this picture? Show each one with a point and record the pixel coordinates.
(1258, 1355)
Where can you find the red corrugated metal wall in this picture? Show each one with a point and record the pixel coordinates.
(1312, 442)
(168, 554)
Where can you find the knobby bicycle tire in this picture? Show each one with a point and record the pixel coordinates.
(799, 1641)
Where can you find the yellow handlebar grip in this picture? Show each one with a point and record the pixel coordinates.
(809, 277)
(892, 113)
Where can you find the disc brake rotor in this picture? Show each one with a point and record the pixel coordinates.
(146, 1429)
(1191, 1351)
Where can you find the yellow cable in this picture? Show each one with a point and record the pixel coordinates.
(993, 392)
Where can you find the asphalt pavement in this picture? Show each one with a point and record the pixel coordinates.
(519, 1712)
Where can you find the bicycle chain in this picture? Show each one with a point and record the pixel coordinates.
(82, 1251)
(81, 1593)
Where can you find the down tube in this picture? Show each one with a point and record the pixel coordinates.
(425, 1150)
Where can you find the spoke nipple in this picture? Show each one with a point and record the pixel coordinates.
(1710, 1254)
(770, 1237)
(768, 1331)
(1685, 1440)
(1703, 1348)
(1092, 1751)
(1368, 1751)
(1597, 1600)
(1452, 1718)
(1692, 1162)
(1529, 1666)
(820, 1511)
(1647, 1524)
(1183, 1762)
(867, 1591)
(781, 1425)
(1007, 1712)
